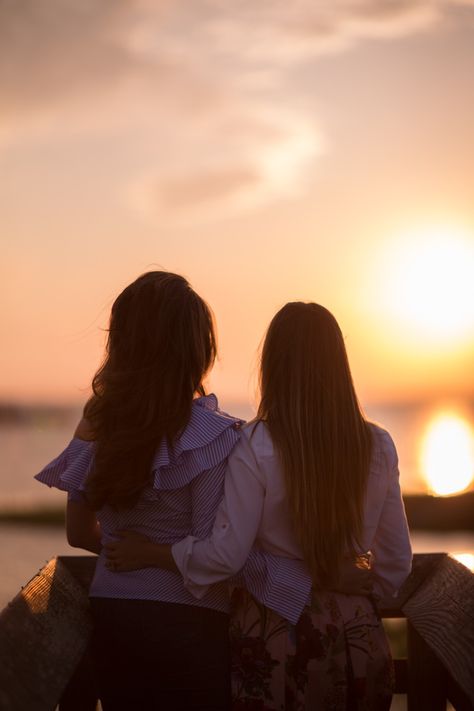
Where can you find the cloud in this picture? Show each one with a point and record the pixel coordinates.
(50, 49)
(275, 32)
(54, 49)
(241, 162)
(202, 82)
(196, 189)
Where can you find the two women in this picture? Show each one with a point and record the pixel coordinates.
(309, 480)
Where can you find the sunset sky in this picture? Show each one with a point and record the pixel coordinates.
(269, 151)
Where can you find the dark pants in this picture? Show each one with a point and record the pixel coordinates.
(152, 656)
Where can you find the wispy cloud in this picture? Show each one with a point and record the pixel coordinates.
(202, 80)
(54, 49)
(246, 158)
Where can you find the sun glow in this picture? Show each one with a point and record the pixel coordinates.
(466, 559)
(429, 285)
(447, 454)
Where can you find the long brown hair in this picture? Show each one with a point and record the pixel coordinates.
(161, 343)
(310, 406)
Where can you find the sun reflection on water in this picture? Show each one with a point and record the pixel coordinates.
(447, 454)
(466, 559)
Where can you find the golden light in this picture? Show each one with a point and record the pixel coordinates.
(429, 284)
(466, 559)
(447, 454)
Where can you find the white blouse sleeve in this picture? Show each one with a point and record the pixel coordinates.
(391, 546)
(224, 552)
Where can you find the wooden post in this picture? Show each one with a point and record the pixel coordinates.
(426, 677)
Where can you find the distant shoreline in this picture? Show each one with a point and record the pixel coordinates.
(41, 516)
(16, 414)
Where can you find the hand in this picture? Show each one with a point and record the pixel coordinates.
(130, 552)
(356, 578)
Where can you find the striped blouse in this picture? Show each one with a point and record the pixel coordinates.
(182, 500)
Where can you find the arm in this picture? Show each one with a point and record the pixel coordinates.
(82, 527)
(133, 550)
(225, 545)
(391, 546)
(224, 552)
(228, 549)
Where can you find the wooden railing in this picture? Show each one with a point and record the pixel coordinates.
(437, 601)
(45, 630)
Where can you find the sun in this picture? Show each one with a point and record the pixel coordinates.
(429, 283)
(447, 454)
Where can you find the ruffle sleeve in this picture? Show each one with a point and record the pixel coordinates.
(70, 469)
(206, 442)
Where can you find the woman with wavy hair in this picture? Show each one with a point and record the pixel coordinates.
(310, 479)
(155, 463)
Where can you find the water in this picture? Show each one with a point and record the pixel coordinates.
(24, 551)
(25, 449)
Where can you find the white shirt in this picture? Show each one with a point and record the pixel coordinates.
(254, 511)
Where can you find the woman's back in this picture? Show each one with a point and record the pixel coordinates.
(255, 511)
(311, 480)
(182, 497)
(155, 464)
(385, 532)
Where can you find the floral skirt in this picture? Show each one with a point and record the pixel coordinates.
(336, 658)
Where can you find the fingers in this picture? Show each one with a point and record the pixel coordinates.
(116, 566)
(122, 533)
(111, 551)
(120, 566)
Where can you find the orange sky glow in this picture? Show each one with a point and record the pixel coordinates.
(267, 151)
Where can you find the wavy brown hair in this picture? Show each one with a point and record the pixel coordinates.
(161, 343)
(310, 406)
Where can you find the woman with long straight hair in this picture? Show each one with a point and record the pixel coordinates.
(155, 463)
(310, 479)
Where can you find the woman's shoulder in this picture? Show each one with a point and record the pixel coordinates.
(257, 434)
(384, 452)
(207, 415)
(256, 453)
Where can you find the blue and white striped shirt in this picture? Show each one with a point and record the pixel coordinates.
(182, 500)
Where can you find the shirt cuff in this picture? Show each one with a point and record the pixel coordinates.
(182, 552)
